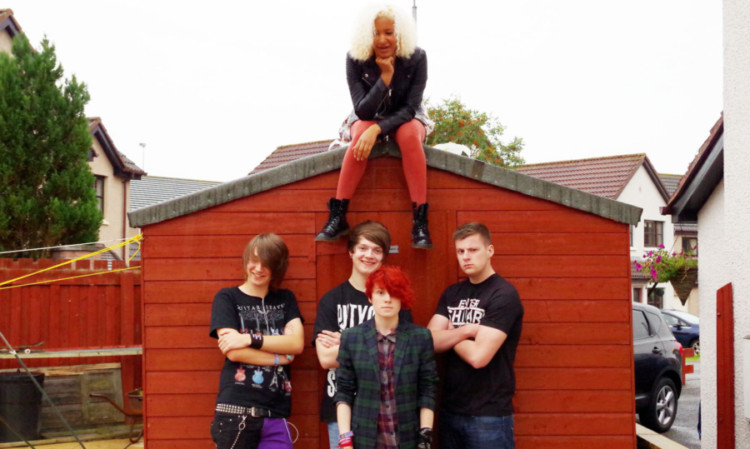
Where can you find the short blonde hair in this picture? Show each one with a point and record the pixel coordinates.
(364, 30)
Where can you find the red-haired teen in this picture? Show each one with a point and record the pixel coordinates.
(386, 376)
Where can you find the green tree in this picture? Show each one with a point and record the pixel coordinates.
(46, 186)
(479, 131)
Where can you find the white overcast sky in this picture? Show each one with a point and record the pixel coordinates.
(212, 88)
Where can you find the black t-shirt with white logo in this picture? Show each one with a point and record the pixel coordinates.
(486, 391)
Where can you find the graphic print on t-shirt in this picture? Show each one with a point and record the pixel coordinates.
(268, 320)
(350, 315)
(466, 312)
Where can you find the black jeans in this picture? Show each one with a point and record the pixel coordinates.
(225, 428)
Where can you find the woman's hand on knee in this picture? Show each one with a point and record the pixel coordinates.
(366, 141)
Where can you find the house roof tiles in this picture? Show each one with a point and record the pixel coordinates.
(670, 182)
(602, 176)
(150, 190)
(8, 23)
(289, 153)
(122, 165)
(704, 173)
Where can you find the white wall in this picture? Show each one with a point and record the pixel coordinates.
(734, 261)
(710, 278)
(642, 192)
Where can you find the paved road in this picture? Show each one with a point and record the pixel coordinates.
(684, 429)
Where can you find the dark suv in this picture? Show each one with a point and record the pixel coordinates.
(658, 368)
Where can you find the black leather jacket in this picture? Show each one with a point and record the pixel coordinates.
(391, 106)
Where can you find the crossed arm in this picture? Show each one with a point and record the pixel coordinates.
(235, 345)
(327, 348)
(476, 344)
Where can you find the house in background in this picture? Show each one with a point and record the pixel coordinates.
(288, 153)
(713, 194)
(630, 179)
(9, 28)
(113, 172)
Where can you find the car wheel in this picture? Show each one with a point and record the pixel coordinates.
(696, 345)
(662, 410)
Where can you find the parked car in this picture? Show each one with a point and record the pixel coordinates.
(685, 327)
(658, 368)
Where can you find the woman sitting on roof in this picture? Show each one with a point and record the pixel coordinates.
(387, 74)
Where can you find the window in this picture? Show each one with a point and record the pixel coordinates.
(656, 298)
(640, 325)
(690, 244)
(653, 233)
(672, 321)
(637, 294)
(99, 189)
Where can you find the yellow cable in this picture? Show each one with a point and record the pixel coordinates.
(71, 277)
(137, 239)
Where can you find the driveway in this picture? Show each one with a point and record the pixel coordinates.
(684, 429)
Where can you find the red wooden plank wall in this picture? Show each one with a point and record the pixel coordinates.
(572, 269)
(88, 312)
(725, 402)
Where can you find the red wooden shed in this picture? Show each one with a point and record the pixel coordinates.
(566, 251)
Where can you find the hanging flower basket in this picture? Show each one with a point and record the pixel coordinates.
(683, 282)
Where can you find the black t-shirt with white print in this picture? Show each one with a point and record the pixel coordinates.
(339, 309)
(486, 391)
(250, 385)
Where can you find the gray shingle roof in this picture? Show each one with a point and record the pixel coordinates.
(331, 160)
(150, 190)
(670, 182)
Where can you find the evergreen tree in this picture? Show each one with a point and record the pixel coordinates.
(479, 131)
(46, 185)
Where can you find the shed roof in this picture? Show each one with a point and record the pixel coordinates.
(602, 176)
(704, 173)
(331, 160)
(288, 153)
(150, 190)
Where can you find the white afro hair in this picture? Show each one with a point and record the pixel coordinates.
(364, 30)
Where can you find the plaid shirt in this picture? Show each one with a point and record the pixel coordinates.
(387, 419)
(358, 381)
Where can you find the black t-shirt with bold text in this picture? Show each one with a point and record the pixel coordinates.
(250, 385)
(486, 391)
(339, 309)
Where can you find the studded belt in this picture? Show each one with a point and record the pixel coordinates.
(254, 412)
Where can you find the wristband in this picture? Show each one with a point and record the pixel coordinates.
(346, 439)
(276, 359)
(424, 441)
(256, 340)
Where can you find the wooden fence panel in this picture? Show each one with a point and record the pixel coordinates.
(68, 311)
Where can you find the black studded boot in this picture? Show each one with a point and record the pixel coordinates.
(420, 235)
(336, 225)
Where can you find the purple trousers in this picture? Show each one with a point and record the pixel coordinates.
(239, 432)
